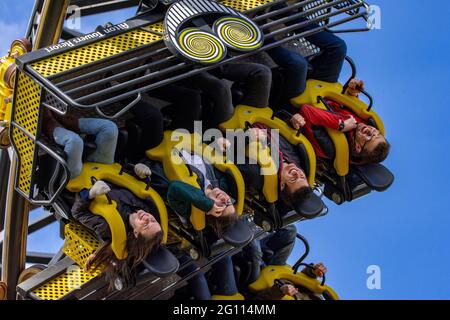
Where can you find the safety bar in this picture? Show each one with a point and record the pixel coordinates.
(321, 99)
(311, 267)
(366, 18)
(289, 115)
(305, 254)
(353, 76)
(55, 156)
(301, 14)
(303, 257)
(122, 111)
(129, 166)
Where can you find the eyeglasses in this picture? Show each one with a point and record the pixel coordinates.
(368, 138)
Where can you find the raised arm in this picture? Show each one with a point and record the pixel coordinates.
(319, 117)
(182, 195)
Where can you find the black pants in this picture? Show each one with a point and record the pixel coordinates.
(255, 79)
(187, 109)
(186, 101)
(150, 120)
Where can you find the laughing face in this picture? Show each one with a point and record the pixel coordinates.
(293, 178)
(145, 224)
(367, 139)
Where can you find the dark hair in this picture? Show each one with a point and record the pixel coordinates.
(137, 248)
(295, 199)
(379, 153)
(219, 224)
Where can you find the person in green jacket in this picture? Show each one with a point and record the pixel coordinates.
(210, 198)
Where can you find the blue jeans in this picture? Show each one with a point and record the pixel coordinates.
(222, 280)
(273, 250)
(326, 66)
(106, 134)
(222, 277)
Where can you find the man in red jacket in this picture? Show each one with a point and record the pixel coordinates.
(367, 144)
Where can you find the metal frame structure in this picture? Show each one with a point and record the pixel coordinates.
(62, 91)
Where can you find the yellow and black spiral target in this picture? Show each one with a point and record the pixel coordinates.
(201, 46)
(238, 33)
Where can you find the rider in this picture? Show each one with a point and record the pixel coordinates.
(367, 144)
(144, 233)
(326, 66)
(217, 204)
(256, 82)
(287, 288)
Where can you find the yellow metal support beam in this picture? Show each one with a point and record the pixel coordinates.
(17, 208)
(52, 21)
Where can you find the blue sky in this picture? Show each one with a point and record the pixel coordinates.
(405, 230)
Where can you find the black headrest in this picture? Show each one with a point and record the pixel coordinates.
(310, 207)
(375, 175)
(239, 234)
(161, 262)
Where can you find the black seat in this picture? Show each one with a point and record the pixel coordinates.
(311, 206)
(239, 234)
(161, 262)
(375, 175)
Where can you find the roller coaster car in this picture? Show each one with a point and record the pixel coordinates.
(161, 262)
(270, 275)
(344, 181)
(169, 154)
(266, 213)
(72, 75)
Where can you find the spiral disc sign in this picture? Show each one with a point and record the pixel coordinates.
(201, 46)
(238, 34)
(208, 44)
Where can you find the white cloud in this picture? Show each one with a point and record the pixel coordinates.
(9, 32)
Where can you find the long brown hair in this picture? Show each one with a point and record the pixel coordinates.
(219, 224)
(137, 247)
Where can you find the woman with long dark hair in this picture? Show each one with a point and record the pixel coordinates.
(144, 233)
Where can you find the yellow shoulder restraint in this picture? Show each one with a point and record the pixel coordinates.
(333, 91)
(101, 206)
(168, 153)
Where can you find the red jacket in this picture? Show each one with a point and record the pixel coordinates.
(322, 118)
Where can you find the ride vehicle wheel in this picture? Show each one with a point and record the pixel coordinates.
(4, 138)
(334, 194)
(194, 254)
(29, 272)
(24, 44)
